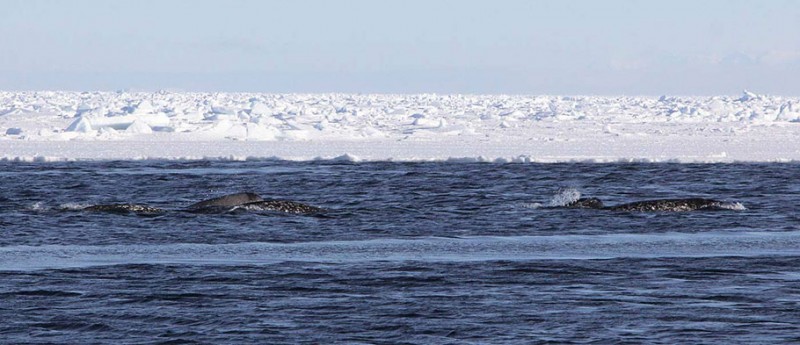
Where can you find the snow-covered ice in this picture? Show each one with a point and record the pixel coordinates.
(44, 126)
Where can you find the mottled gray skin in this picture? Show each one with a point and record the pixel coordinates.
(248, 201)
(672, 205)
(282, 206)
(230, 200)
(659, 205)
(124, 208)
(251, 201)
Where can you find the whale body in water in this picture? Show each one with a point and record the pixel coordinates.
(253, 202)
(282, 206)
(246, 201)
(229, 200)
(125, 208)
(657, 205)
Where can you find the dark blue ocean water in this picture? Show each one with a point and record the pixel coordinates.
(440, 253)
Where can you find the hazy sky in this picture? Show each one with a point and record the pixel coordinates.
(606, 47)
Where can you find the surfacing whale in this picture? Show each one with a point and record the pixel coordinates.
(252, 202)
(658, 205)
(282, 206)
(125, 208)
(229, 200)
(247, 201)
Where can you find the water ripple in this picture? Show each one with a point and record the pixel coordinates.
(582, 247)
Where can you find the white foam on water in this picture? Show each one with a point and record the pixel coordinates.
(73, 206)
(532, 205)
(734, 206)
(565, 197)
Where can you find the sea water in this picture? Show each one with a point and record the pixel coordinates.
(443, 253)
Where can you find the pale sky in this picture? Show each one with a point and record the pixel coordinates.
(601, 47)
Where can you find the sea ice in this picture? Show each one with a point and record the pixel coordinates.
(493, 128)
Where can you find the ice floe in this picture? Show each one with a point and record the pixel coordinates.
(495, 128)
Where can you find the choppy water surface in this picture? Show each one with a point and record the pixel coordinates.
(407, 253)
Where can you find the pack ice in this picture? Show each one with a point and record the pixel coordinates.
(49, 125)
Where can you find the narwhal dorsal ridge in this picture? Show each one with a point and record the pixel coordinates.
(230, 200)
